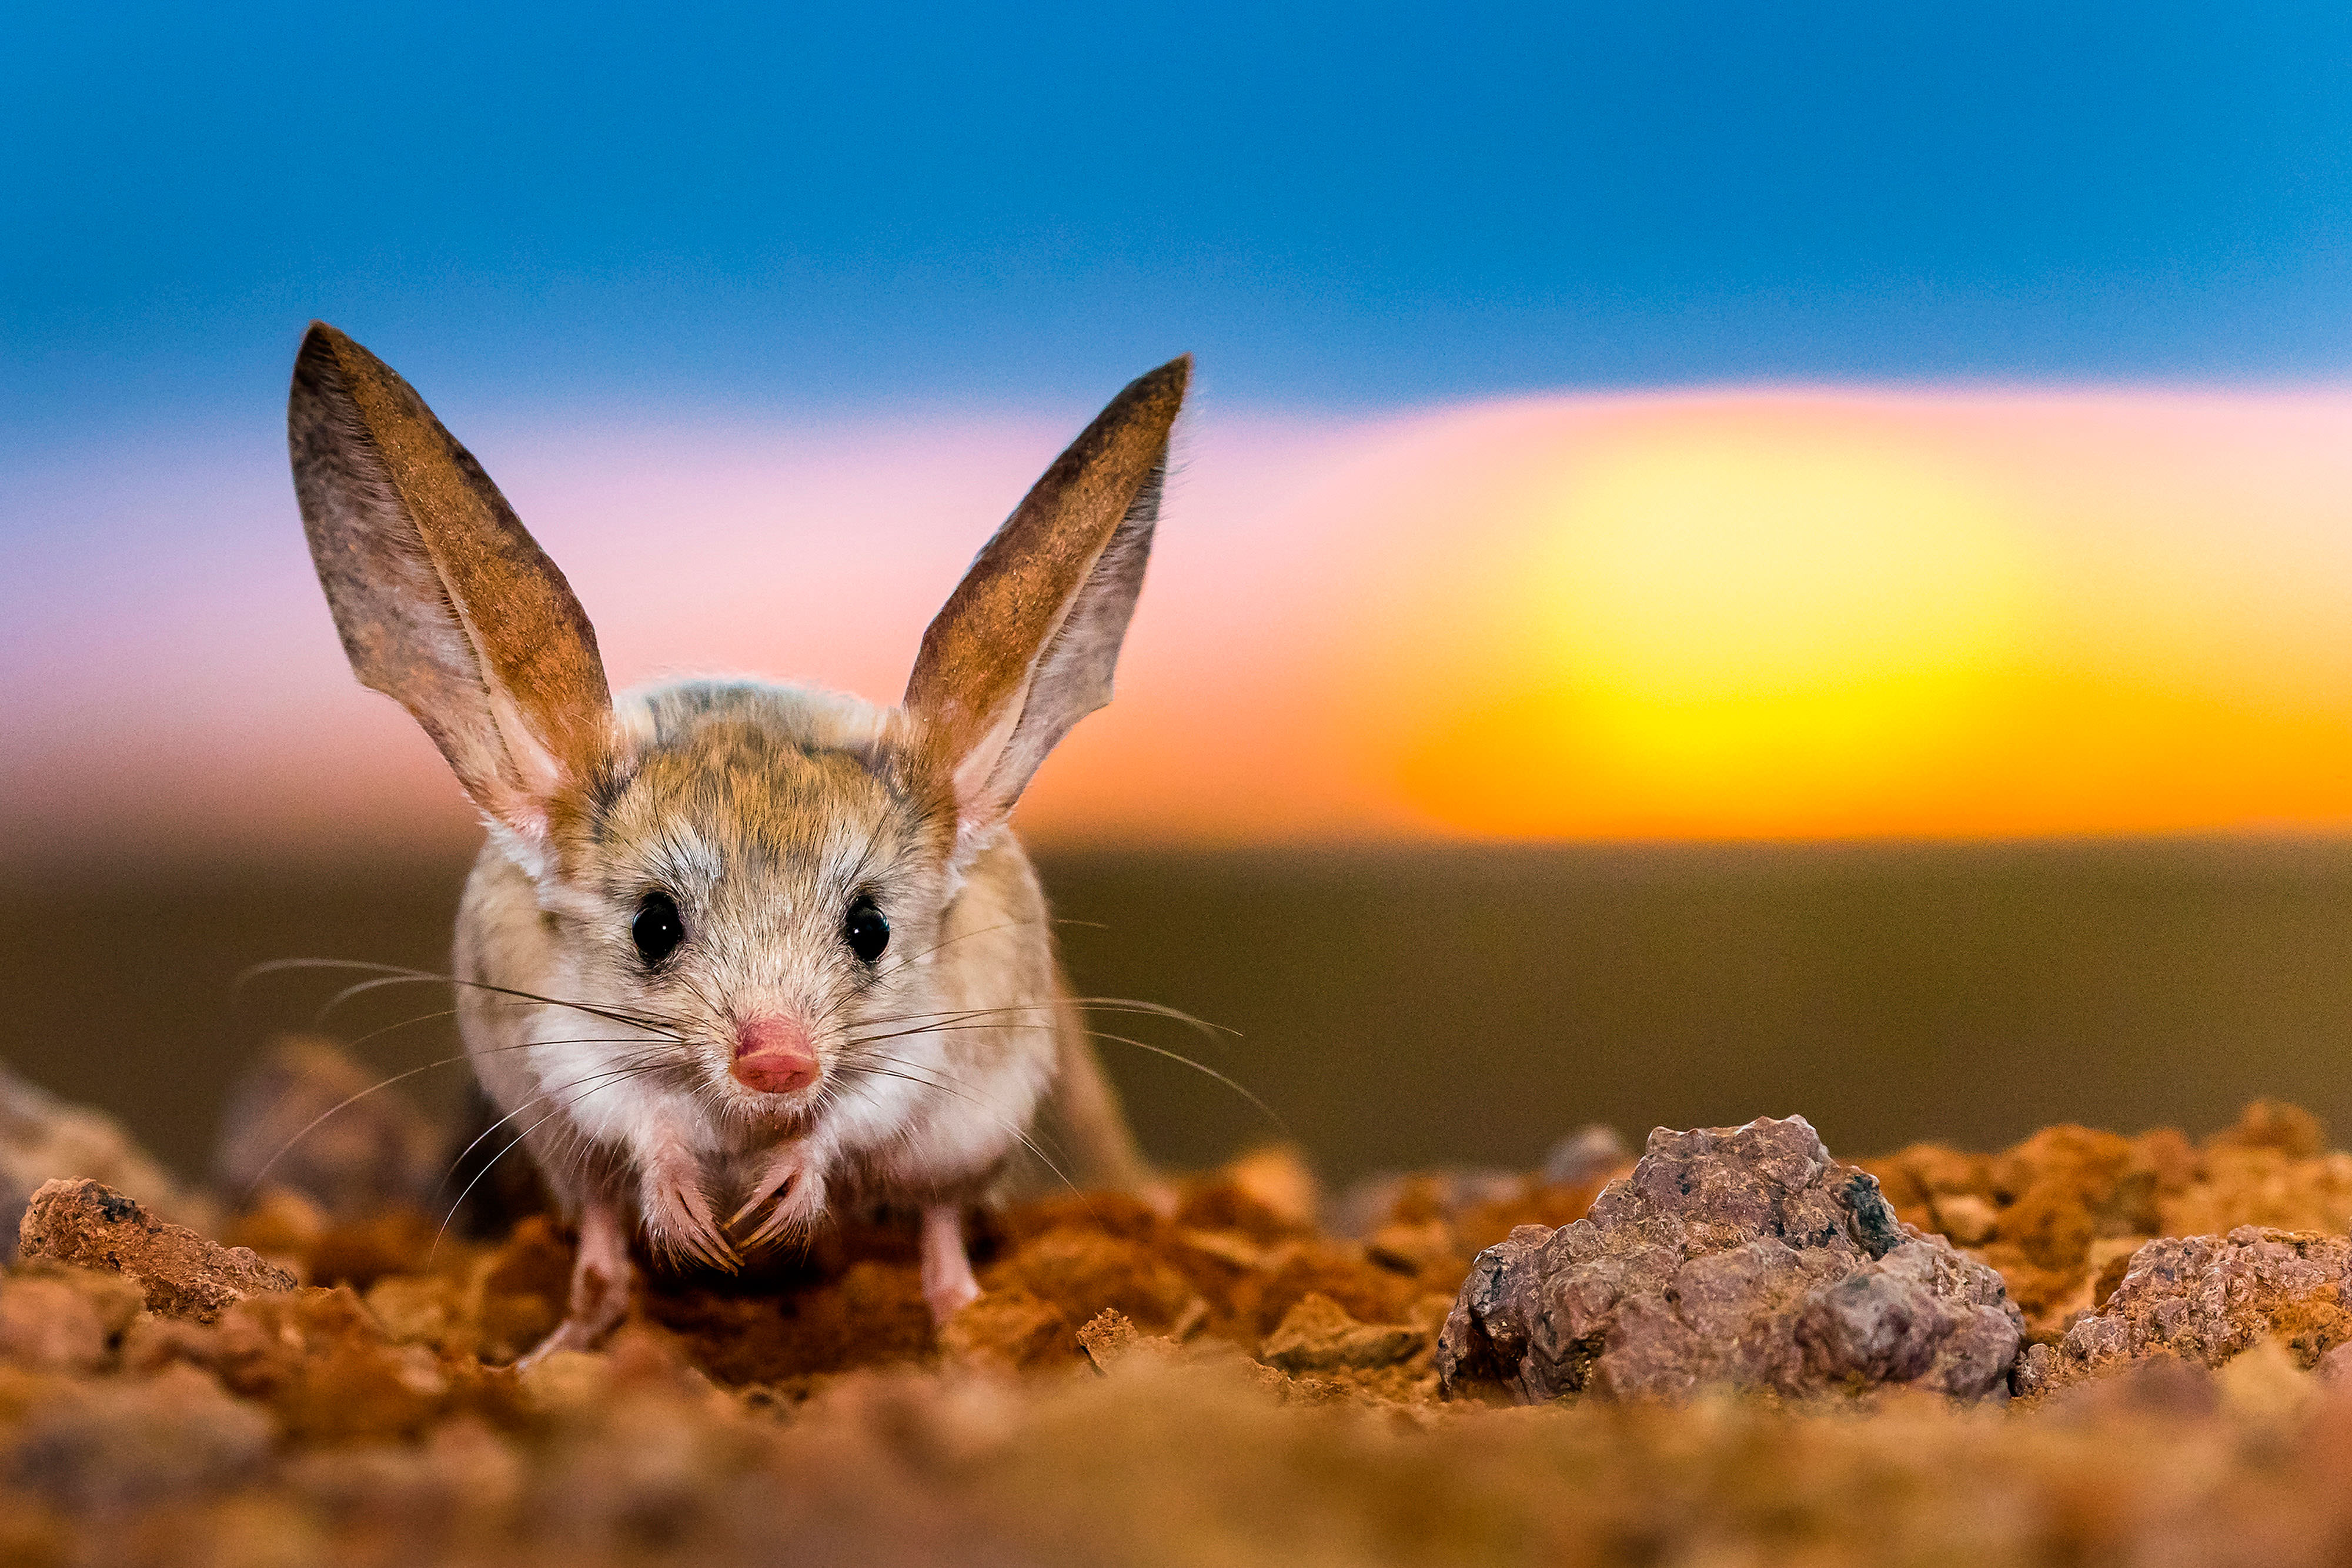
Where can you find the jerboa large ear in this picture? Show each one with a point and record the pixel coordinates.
(1025, 645)
(442, 599)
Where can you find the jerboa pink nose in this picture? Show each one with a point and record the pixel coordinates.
(774, 1056)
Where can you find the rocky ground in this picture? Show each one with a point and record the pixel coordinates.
(1736, 1349)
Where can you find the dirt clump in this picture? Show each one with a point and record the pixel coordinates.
(1225, 1259)
(2208, 1299)
(2062, 1213)
(1319, 1335)
(55, 1317)
(183, 1275)
(1418, 1217)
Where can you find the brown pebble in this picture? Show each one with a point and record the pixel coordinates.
(1279, 1180)
(2274, 1124)
(1413, 1248)
(1106, 1336)
(1319, 1335)
(1966, 1218)
(306, 1118)
(90, 1225)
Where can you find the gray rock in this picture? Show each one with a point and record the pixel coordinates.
(1737, 1257)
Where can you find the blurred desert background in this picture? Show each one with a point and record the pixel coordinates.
(1719, 566)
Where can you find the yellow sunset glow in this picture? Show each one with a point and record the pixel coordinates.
(1795, 622)
(1727, 624)
(1705, 567)
(1738, 613)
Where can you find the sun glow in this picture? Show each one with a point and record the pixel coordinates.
(1731, 625)
(1823, 618)
(1705, 565)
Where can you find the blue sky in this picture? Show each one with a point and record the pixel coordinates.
(1337, 207)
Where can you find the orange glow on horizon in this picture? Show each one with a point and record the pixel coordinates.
(1736, 616)
(1815, 621)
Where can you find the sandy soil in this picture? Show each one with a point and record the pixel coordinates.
(1215, 1380)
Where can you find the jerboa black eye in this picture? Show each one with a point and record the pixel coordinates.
(658, 927)
(865, 929)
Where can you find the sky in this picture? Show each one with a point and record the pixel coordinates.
(1673, 421)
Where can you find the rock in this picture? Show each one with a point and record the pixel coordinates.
(1280, 1182)
(2162, 1387)
(1744, 1258)
(568, 1382)
(1231, 1247)
(2058, 1213)
(1118, 1349)
(1411, 1248)
(2247, 1178)
(326, 1367)
(2267, 1384)
(90, 1225)
(415, 1309)
(1079, 1273)
(1415, 1220)
(2070, 1184)
(309, 1118)
(2205, 1299)
(43, 1138)
(1111, 1343)
(2333, 1370)
(1386, 1197)
(44, 1326)
(1108, 1338)
(1587, 1155)
(2274, 1124)
(1319, 1335)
